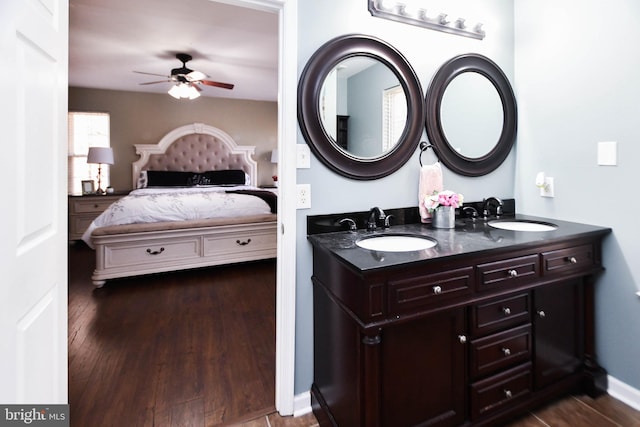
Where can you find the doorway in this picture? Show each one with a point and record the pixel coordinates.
(287, 126)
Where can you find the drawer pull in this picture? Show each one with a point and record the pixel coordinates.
(541, 314)
(506, 352)
(462, 339)
(437, 290)
(513, 273)
(573, 260)
(150, 252)
(506, 311)
(508, 394)
(243, 243)
(96, 206)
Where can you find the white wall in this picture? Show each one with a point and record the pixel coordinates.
(577, 83)
(426, 50)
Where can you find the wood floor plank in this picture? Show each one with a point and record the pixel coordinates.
(570, 412)
(528, 421)
(613, 409)
(307, 420)
(186, 348)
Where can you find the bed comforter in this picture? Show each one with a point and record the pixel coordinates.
(149, 205)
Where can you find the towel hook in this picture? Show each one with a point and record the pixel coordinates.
(424, 146)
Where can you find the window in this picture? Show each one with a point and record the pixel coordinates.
(394, 117)
(86, 130)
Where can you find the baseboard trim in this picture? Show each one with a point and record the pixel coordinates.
(616, 388)
(624, 392)
(302, 404)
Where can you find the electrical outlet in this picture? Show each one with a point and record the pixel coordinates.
(303, 196)
(548, 189)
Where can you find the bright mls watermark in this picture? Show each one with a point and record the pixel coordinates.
(34, 415)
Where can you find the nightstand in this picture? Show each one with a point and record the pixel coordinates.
(84, 209)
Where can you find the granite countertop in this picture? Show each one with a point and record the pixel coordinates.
(467, 238)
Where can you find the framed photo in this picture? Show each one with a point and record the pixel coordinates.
(87, 187)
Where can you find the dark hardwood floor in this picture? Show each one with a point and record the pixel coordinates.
(190, 348)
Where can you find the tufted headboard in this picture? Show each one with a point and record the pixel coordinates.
(195, 148)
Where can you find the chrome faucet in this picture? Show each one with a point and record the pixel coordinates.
(375, 214)
(352, 223)
(486, 204)
(470, 212)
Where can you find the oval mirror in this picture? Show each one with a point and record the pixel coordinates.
(471, 115)
(360, 107)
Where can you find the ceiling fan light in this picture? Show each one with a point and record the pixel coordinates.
(175, 91)
(193, 92)
(196, 75)
(184, 90)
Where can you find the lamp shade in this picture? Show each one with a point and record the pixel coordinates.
(101, 155)
(274, 156)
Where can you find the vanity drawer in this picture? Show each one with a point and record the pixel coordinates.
(509, 272)
(569, 260)
(503, 389)
(500, 314)
(420, 291)
(498, 351)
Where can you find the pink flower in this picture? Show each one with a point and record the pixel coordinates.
(443, 198)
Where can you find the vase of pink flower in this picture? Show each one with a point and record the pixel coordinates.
(442, 206)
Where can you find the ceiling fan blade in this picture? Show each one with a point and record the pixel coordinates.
(197, 87)
(150, 74)
(159, 81)
(217, 84)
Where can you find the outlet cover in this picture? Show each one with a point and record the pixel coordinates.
(608, 153)
(549, 188)
(303, 196)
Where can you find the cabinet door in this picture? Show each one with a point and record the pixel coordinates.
(558, 333)
(423, 371)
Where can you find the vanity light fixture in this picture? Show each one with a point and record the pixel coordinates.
(184, 90)
(401, 13)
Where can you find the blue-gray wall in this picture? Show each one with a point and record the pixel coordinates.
(577, 83)
(426, 50)
(366, 91)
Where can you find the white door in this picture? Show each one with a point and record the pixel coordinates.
(33, 221)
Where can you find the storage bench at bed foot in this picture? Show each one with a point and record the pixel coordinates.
(124, 255)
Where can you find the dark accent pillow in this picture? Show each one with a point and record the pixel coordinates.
(189, 179)
(171, 179)
(223, 177)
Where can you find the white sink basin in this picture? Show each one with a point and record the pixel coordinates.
(395, 243)
(522, 225)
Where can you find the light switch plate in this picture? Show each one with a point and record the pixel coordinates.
(303, 156)
(607, 153)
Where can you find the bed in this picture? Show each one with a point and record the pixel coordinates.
(195, 204)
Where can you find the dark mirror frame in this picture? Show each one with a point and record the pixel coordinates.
(458, 163)
(321, 143)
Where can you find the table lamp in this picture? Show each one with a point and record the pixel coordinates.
(100, 156)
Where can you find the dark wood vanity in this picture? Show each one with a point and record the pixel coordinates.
(475, 331)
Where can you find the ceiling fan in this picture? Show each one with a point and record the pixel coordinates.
(186, 80)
